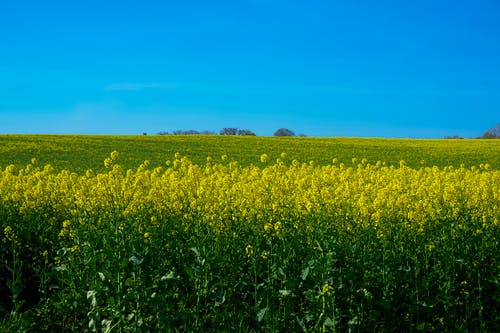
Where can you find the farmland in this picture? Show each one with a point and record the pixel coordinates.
(212, 233)
(78, 153)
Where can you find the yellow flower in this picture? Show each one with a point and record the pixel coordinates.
(249, 250)
(264, 254)
(380, 234)
(9, 233)
(114, 155)
(327, 289)
(277, 226)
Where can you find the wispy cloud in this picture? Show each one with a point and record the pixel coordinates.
(127, 86)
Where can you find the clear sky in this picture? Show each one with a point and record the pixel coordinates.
(396, 68)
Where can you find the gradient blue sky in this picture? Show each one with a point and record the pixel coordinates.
(426, 68)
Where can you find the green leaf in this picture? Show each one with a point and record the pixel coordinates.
(92, 325)
(129, 282)
(353, 324)
(329, 322)
(106, 325)
(195, 250)
(261, 314)
(284, 292)
(305, 273)
(91, 295)
(61, 268)
(220, 298)
(169, 276)
(136, 259)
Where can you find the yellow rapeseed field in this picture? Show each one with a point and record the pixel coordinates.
(218, 192)
(278, 245)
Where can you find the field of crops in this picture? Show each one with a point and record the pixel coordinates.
(212, 233)
(77, 153)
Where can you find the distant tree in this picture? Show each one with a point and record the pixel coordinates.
(453, 137)
(489, 135)
(229, 131)
(246, 132)
(284, 132)
(188, 132)
(492, 133)
(208, 133)
(163, 133)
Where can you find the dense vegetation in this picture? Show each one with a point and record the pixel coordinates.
(256, 237)
(79, 153)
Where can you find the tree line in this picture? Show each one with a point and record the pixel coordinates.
(492, 133)
(229, 131)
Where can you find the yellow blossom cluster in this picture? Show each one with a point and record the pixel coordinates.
(268, 195)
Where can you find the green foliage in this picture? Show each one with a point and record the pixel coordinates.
(79, 153)
(198, 279)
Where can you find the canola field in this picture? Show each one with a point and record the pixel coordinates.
(78, 153)
(249, 234)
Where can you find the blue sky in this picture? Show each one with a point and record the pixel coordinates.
(322, 68)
